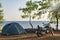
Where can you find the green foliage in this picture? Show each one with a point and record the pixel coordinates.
(45, 6)
(1, 22)
(0, 5)
(38, 15)
(56, 11)
(1, 11)
(24, 16)
(1, 14)
(31, 6)
(1, 17)
(33, 17)
(59, 15)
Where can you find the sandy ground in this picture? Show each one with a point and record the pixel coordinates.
(31, 37)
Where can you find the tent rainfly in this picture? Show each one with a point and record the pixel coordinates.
(12, 29)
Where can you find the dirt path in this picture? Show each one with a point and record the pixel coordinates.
(32, 37)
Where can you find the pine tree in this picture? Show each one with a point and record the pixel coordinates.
(31, 6)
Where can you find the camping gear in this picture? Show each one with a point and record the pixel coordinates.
(12, 29)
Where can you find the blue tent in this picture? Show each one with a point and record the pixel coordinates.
(13, 28)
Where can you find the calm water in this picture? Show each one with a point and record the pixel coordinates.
(25, 24)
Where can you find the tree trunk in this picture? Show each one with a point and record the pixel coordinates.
(56, 21)
(57, 24)
(30, 22)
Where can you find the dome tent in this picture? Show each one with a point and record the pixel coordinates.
(12, 29)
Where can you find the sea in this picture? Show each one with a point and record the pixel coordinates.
(25, 24)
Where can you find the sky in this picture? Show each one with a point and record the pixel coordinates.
(11, 10)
